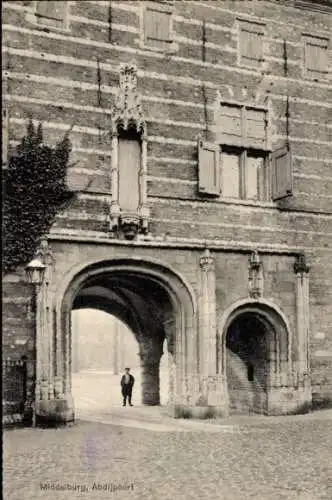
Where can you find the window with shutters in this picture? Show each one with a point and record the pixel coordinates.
(52, 14)
(244, 174)
(157, 26)
(241, 165)
(316, 57)
(251, 44)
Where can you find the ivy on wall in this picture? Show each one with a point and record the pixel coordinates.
(35, 189)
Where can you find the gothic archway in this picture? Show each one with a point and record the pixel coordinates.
(155, 303)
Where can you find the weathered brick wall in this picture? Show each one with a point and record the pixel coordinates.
(52, 76)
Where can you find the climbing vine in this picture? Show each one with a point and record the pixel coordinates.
(35, 190)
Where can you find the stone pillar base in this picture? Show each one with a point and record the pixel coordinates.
(206, 398)
(54, 412)
(199, 412)
(289, 400)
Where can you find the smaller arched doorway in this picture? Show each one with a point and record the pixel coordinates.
(256, 357)
(248, 364)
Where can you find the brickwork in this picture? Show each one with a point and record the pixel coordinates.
(52, 76)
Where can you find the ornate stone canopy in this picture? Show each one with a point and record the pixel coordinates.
(127, 109)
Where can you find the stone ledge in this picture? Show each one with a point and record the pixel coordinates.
(199, 412)
(176, 243)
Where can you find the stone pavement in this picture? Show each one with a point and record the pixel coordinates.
(109, 456)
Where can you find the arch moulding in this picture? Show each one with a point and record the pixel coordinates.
(286, 394)
(163, 271)
(181, 295)
(229, 314)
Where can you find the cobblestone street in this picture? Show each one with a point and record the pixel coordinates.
(145, 455)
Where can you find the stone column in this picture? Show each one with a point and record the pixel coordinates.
(143, 208)
(114, 209)
(207, 316)
(44, 328)
(211, 398)
(301, 270)
(46, 388)
(150, 354)
(292, 390)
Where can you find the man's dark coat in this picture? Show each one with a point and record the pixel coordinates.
(127, 388)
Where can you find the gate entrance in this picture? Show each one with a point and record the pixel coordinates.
(153, 302)
(248, 345)
(142, 306)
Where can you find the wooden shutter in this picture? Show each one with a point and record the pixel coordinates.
(229, 125)
(52, 9)
(255, 128)
(157, 28)
(282, 179)
(5, 133)
(316, 57)
(251, 47)
(208, 168)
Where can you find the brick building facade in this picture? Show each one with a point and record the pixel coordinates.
(202, 165)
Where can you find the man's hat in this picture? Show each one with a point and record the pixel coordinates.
(127, 368)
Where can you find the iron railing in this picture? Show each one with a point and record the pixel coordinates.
(14, 390)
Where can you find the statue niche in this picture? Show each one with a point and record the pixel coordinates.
(129, 213)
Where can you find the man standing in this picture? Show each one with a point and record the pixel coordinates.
(127, 383)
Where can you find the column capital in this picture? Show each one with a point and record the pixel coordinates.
(206, 262)
(300, 265)
(45, 253)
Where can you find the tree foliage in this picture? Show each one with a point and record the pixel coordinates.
(35, 190)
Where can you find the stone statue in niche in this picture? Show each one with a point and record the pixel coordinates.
(256, 276)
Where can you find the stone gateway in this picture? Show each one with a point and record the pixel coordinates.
(201, 162)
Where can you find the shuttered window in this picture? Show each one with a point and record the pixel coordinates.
(129, 152)
(242, 126)
(157, 28)
(243, 174)
(281, 163)
(251, 48)
(208, 168)
(52, 13)
(251, 40)
(316, 57)
(244, 151)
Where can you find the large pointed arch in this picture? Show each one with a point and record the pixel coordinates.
(142, 274)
